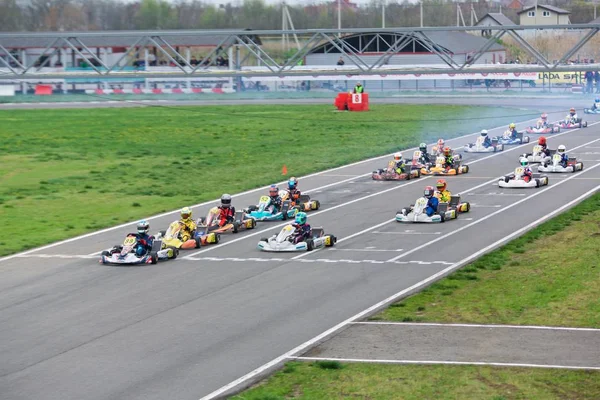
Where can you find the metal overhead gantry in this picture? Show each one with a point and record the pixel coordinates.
(245, 46)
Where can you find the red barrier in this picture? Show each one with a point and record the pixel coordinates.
(218, 90)
(196, 90)
(43, 90)
(99, 91)
(118, 91)
(352, 101)
(176, 90)
(138, 91)
(157, 91)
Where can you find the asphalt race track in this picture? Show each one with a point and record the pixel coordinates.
(71, 328)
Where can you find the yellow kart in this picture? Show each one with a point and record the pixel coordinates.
(439, 170)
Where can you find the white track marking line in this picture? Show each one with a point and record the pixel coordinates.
(485, 206)
(374, 250)
(494, 364)
(97, 253)
(546, 328)
(408, 233)
(113, 228)
(488, 216)
(391, 299)
(497, 194)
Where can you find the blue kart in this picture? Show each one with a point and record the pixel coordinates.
(506, 139)
(261, 212)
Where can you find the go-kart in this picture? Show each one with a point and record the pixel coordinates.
(174, 236)
(556, 166)
(551, 128)
(416, 213)
(390, 174)
(506, 138)
(284, 241)
(125, 253)
(455, 203)
(211, 223)
(536, 156)
(573, 123)
(301, 203)
(439, 170)
(261, 212)
(591, 110)
(478, 146)
(515, 180)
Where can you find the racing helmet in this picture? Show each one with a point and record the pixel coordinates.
(186, 213)
(561, 149)
(428, 192)
(544, 116)
(542, 141)
(292, 183)
(226, 200)
(597, 100)
(273, 191)
(572, 111)
(440, 143)
(484, 132)
(512, 125)
(441, 185)
(301, 218)
(143, 227)
(447, 151)
(398, 157)
(524, 162)
(423, 147)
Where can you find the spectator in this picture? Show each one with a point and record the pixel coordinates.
(589, 80)
(359, 88)
(488, 83)
(597, 81)
(193, 61)
(341, 61)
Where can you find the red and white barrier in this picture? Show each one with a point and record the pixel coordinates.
(160, 91)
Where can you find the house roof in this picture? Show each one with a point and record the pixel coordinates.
(500, 18)
(544, 6)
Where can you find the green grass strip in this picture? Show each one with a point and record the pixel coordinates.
(549, 276)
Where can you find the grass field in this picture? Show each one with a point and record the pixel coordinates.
(330, 380)
(549, 276)
(66, 172)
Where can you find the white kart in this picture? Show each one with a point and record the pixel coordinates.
(515, 180)
(536, 156)
(124, 254)
(555, 165)
(478, 146)
(284, 241)
(417, 214)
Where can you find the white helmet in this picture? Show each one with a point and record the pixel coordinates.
(398, 156)
(484, 132)
(561, 149)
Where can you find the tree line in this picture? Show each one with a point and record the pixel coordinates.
(93, 15)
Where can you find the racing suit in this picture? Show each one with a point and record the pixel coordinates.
(564, 158)
(188, 227)
(143, 243)
(302, 232)
(432, 205)
(275, 204)
(527, 174)
(545, 150)
(226, 215)
(425, 159)
(513, 134)
(444, 196)
(596, 106)
(487, 142)
(400, 167)
(448, 161)
(294, 195)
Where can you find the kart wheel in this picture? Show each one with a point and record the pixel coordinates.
(310, 245)
(105, 253)
(202, 221)
(175, 252)
(198, 242)
(264, 239)
(236, 226)
(442, 218)
(252, 223)
(526, 139)
(537, 183)
(316, 205)
(162, 233)
(217, 238)
(585, 124)
(329, 240)
(465, 169)
(153, 258)
(580, 125)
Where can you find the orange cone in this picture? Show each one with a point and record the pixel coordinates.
(284, 170)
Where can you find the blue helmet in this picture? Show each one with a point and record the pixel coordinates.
(597, 100)
(301, 218)
(292, 183)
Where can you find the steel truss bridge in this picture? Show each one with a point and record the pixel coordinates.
(244, 48)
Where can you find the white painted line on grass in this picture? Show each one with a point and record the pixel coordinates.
(444, 362)
(113, 228)
(547, 328)
(389, 300)
(488, 216)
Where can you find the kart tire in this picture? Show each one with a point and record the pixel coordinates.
(105, 253)
(580, 125)
(443, 218)
(264, 239)
(329, 240)
(153, 258)
(585, 124)
(202, 221)
(284, 215)
(253, 223)
(198, 242)
(162, 233)
(506, 179)
(236, 226)
(317, 205)
(537, 183)
(465, 169)
(175, 252)
(217, 238)
(526, 139)
(310, 245)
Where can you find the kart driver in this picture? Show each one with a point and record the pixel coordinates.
(572, 117)
(432, 201)
(442, 194)
(293, 190)
(596, 105)
(226, 210)
(512, 131)
(544, 146)
(188, 226)
(424, 159)
(302, 227)
(544, 118)
(143, 239)
(440, 147)
(527, 173)
(448, 158)
(399, 163)
(487, 142)
(564, 158)
(275, 201)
